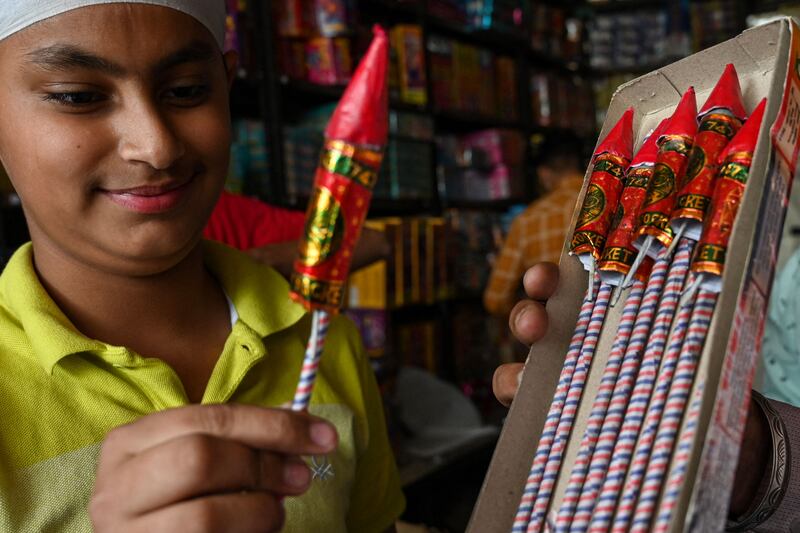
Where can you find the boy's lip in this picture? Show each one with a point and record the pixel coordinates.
(150, 199)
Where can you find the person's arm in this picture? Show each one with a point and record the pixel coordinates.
(756, 472)
(372, 246)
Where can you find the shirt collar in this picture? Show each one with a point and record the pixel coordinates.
(259, 294)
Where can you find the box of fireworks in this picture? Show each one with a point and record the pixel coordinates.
(367, 287)
(699, 475)
(395, 271)
(372, 325)
(439, 243)
(292, 58)
(332, 18)
(410, 49)
(293, 18)
(329, 61)
(506, 90)
(541, 99)
(501, 147)
(412, 271)
(440, 54)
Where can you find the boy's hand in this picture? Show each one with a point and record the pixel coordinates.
(528, 322)
(205, 468)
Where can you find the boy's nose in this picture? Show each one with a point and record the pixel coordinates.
(147, 137)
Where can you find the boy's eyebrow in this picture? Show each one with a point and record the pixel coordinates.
(65, 57)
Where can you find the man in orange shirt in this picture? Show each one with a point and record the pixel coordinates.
(537, 235)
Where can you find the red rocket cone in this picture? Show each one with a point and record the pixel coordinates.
(362, 116)
(747, 138)
(619, 140)
(683, 122)
(649, 149)
(727, 95)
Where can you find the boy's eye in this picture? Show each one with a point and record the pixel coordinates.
(188, 94)
(75, 98)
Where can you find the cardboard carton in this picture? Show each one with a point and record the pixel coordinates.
(767, 61)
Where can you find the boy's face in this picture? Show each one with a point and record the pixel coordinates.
(115, 130)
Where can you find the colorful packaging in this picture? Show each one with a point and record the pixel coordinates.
(735, 164)
(410, 49)
(605, 185)
(332, 17)
(720, 119)
(619, 252)
(673, 154)
(328, 60)
(348, 169)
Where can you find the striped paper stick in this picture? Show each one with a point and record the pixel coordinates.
(554, 414)
(567, 420)
(600, 407)
(655, 411)
(308, 375)
(677, 474)
(620, 397)
(673, 411)
(645, 380)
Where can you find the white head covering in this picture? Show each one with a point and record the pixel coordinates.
(16, 15)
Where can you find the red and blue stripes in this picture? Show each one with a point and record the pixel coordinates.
(308, 375)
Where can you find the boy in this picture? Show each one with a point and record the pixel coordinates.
(115, 133)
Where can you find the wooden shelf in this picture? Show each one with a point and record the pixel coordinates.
(509, 43)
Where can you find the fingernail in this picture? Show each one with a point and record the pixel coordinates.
(323, 434)
(520, 315)
(296, 475)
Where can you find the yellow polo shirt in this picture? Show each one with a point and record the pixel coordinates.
(61, 392)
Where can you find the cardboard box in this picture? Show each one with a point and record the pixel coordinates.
(767, 61)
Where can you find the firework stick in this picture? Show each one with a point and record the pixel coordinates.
(600, 406)
(571, 405)
(354, 141)
(554, 414)
(634, 414)
(709, 264)
(620, 397)
(673, 412)
(611, 423)
(308, 374)
(677, 474)
(644, 446)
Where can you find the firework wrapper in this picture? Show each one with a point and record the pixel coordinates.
(605, 185)
(619, 252)
(720, 119)
(346, 175)
(709, 259)
(673, 152)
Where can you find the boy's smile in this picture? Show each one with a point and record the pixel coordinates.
(115, 131)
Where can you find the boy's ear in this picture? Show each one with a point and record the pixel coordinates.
(231, 59)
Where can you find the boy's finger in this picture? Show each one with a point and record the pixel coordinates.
(246, 512)
(277, 430)
(506, 382)
(528, 321)
(196, 465)
(540, 281)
